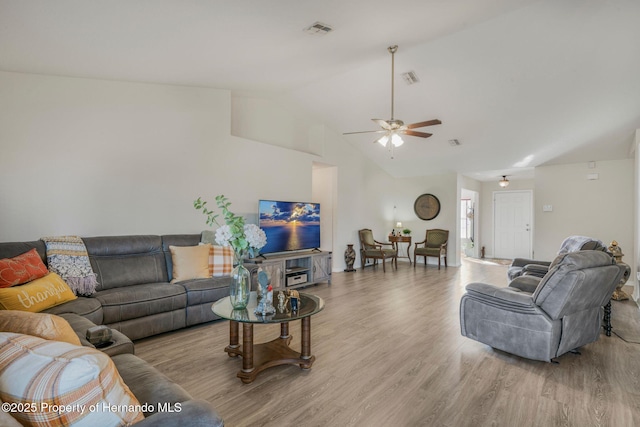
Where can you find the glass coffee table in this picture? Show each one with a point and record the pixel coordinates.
(258, 357)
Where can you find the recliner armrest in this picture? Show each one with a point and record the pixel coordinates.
(525, 283)
(511, 296)
(537, 270)
(521, 262)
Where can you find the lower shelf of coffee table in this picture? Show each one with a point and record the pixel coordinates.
(266, 355)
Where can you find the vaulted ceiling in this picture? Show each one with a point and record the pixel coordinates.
(519, 83)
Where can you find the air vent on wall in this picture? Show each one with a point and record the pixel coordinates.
(318, 29)
(410, 78)
(454, 142)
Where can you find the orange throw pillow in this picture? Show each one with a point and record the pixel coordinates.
(21, 269)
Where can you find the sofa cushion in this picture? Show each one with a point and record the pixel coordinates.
(190, 262)
(82, 306)
(206, 290)
(126, 260)
(176, 240)
(21, 269)
(46, 373)
(131, 302)
(220, 261)
(149, 385)
(37, 295)
(43, 325)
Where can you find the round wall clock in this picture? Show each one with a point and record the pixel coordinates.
(427, 206)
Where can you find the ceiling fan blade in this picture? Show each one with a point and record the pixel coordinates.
(416, 133)
(365, 131)
(383, 124)
(423, 124)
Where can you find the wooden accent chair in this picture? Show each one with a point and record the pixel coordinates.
(371, 248)
(435, 245)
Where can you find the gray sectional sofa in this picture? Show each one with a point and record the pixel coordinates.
(136, 299)
(134, 295)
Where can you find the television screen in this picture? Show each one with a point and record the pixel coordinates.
(289, 226)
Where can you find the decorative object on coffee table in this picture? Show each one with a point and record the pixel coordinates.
(294, 300)
(349, 257)
(265, 295)
(616, 251)
(245, 239)
(282, 302)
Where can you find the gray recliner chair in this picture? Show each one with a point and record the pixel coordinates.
(533, 267)
(561, 314)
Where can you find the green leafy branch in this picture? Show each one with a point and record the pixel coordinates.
(235, 222)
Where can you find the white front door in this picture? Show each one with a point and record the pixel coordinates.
(512, 224)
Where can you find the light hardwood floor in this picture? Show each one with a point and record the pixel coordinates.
(389, 353)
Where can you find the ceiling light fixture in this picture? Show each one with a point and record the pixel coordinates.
(504, 182)
(394, 137)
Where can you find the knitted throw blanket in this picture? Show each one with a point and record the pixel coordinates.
(67, 256)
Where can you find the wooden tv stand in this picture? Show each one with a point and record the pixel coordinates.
(294, 270)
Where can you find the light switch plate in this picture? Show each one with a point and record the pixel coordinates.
(547, 208)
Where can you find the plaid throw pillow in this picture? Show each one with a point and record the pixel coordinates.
(220, 260)
(52, 374)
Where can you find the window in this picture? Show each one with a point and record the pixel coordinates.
(466, 219)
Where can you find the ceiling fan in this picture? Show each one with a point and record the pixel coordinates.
(393, 128)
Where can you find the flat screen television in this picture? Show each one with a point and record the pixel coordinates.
(289, 226)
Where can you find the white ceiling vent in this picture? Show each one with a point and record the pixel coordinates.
(318, 29)
(410, 78)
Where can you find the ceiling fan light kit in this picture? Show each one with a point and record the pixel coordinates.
(394, 128)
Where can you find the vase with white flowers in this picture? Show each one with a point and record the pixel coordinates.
(244, 239)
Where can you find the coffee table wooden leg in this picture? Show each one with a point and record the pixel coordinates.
(247, 347)
(305, 352)
(284, 330)
(233, 349)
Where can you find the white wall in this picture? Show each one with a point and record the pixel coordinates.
(93, 157)
(264, 120)
(324, 190)
(444, 187)
(602, 208)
